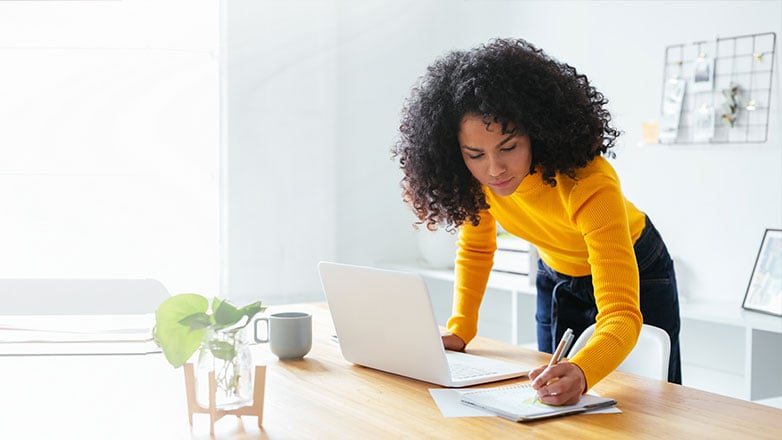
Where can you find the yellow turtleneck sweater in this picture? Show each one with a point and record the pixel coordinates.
(580, 227)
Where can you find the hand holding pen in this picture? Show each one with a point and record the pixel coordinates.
(559, 353)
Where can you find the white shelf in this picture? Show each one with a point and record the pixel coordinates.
(723, 313)
(735, 339)
(497, 280)
(775, 402)
(714, 381)
(731, 314)
(746, 342)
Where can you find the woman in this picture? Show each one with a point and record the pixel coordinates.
(505, 134)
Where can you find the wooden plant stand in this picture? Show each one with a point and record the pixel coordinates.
(256, 409)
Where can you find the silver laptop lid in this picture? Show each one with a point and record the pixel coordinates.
(384, 320)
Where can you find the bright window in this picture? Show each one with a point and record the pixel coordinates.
(109, 141)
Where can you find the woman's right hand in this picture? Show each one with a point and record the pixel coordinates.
(453, 342)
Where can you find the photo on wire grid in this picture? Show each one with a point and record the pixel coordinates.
(703, 124)
(703, 75)
(672, 105)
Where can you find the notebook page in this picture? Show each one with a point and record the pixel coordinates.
(518, 402)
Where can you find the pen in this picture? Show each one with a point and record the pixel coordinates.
(567, 338)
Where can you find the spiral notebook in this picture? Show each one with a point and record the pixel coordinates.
(517, 403)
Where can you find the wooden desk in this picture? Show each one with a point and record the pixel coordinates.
(324, 396)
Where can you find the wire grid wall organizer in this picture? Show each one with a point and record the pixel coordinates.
(742, 73)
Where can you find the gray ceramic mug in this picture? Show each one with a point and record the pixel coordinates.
(289, 334)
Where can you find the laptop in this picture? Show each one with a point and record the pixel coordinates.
(384, 320)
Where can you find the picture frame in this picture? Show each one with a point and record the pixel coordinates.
(703, 74)
(672, 108)
(703, 123)
(764, 292)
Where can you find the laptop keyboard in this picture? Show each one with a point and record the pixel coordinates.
(461, 371)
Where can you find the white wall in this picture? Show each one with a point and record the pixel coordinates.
(280, 157)
(711, 202)
(109, 141)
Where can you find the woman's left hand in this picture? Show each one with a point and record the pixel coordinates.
(560, 384)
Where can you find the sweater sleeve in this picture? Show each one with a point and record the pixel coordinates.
(598, 210)
(474, 260)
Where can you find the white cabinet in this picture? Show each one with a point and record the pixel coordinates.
(725, 349)
(732, 351)
(507, 312)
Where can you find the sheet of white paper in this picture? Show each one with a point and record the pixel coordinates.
(449, 402)
(450, 405)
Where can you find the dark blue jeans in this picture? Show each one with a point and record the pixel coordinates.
(569, 302)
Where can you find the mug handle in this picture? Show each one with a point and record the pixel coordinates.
(255, 330)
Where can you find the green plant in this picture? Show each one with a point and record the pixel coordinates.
(182, 320)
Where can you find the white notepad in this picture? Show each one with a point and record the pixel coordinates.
(517, 403)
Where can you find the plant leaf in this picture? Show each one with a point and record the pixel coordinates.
(216, 303)
(226, 315)
(251, 310)
(179, 341)
(222, 350)
(196, 321)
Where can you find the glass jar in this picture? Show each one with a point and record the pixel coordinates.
(226, 352)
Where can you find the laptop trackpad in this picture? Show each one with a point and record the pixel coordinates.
(465, 366)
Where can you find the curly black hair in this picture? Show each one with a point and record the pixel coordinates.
(508, 81)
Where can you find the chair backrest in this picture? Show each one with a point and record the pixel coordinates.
(49, 296)
(649, 357)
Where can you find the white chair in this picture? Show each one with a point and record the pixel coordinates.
(649, 357)
(78, 316)
(50, 296)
